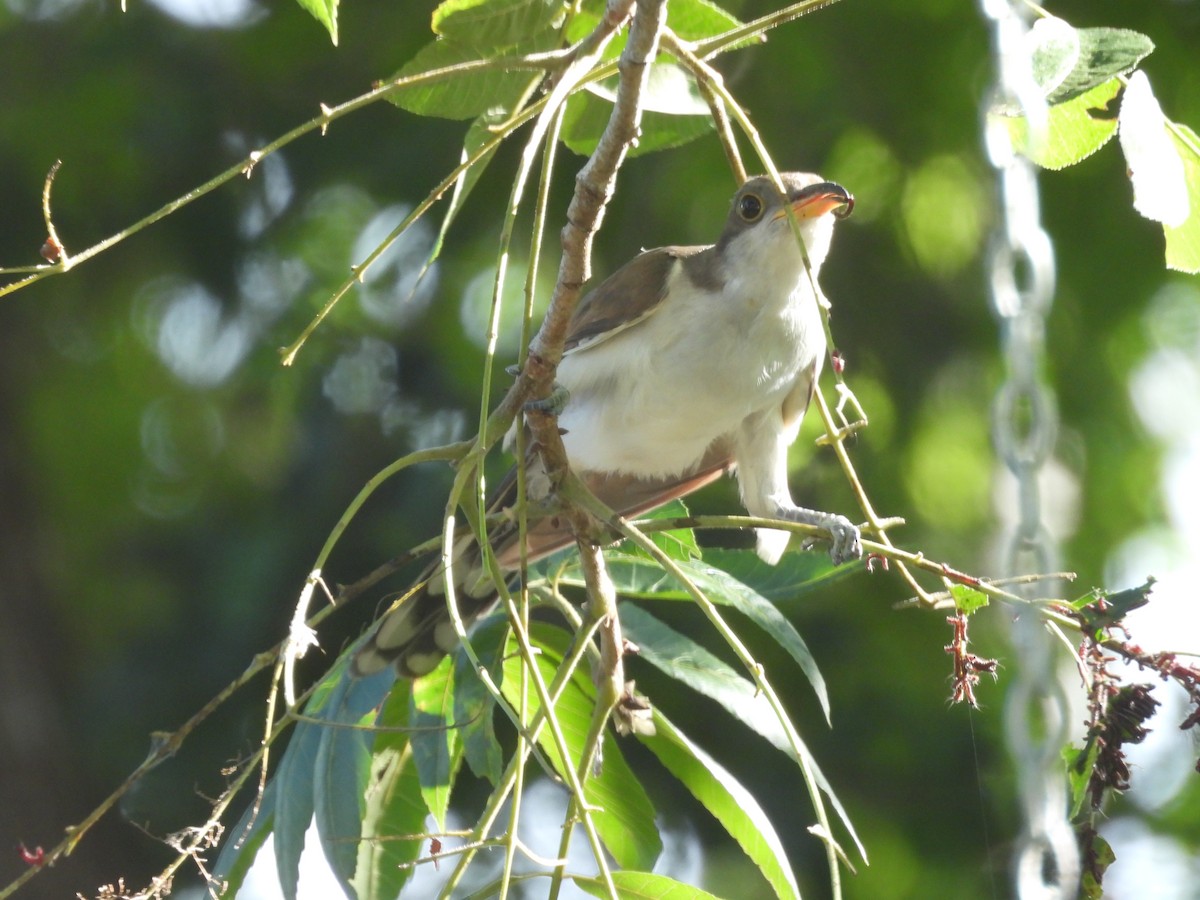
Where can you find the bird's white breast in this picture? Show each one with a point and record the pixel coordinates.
(651, 400)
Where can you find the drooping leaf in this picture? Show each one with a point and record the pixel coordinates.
(634, 577)
(1183, 241)
(1074, 130)
(725, 797)
(343, 764)
(474, 704)
(325, 12)
(243, 841)
(436, 741)
(622, 811)
(1155, 168)
(465, 95)
(681, 658)
(686, 661)
(392, 805)
(494, 23)
(642, 886)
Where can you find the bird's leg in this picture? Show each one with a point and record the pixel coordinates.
(845, 541)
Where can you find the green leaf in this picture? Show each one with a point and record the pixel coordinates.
(494, 23)
(679, 543)
(1070, 61)
(794, 575)
(1152, 161)
(622, 811)
(1074, 130)
(244, 840)
(673, 112)
(343, 764)
(967, 599)
(392, 805)
(636, 578)
(642, 886)
(436, 741)
(1080, 763)
(325, 12)
(1101, 856)
(682, 659)
(1183, 242)
(725, 797)
(469, 94)
(474, 704)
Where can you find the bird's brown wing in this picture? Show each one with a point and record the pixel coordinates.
(622, 300)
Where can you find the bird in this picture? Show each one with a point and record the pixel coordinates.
(685, 363)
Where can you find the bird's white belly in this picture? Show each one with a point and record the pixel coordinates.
(650, 401)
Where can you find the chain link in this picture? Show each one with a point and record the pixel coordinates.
(1024, 430)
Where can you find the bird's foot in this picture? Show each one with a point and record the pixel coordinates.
(844, 538)
(552, 405)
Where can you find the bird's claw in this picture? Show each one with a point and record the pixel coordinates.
(552, 405)
(845, 541)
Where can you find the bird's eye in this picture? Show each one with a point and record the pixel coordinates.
(750, 207)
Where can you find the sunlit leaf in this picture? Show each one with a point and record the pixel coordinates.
(642, 886)
(725, 797)
(967, 599)
(325, 12)
(679, 543)
(1159, 184)
(621, 809)
(1054, 52)
(392, 805)
(1074, 130)
(1183, 241)
(494, 23)
(436, 742)
(673, 112)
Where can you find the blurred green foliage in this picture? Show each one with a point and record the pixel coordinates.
(165, 483)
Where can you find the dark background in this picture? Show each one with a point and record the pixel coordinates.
(165, 484)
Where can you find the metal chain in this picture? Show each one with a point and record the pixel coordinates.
(1024, 426)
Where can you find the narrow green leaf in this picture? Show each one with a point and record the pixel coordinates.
(677, 656)
(392, 805)
(295, 777)
(325, 12)
(642, 886)
(1183, 242)
(1074, 130)
(686, 661)
(436, 741)
(343, 764)
(494, 23)
(725, 797)
(244, 840)
(794, 575)
(470, 94)
(633, 577)
(967, 599)
(622, 811)
(474, 705)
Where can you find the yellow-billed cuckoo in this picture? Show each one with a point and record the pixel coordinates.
(685, 363)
